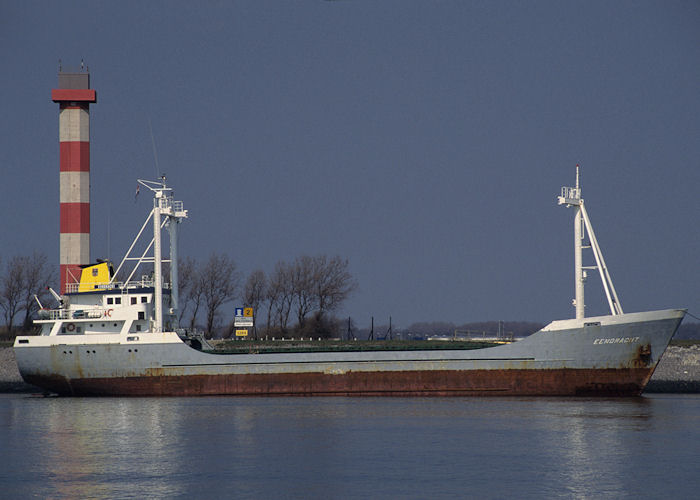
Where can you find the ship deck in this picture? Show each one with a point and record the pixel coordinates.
(294, 346)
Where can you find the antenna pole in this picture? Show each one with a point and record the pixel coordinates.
(157, 269)
(155, 152)
(174, 284)
(579, 277)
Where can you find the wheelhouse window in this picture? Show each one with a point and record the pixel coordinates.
(110, 300)
(133, 300)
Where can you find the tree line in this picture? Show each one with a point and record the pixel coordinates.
(22, 277)
(295, 298)
(299, 296)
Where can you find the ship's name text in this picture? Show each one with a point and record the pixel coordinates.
(616, 340)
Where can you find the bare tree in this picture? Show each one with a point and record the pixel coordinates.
(220, 283)
(11, 290)
(272, 297)
(303, 275)
(255, 289)
(308, 284)
(197, 297)
(37, 275)
(187, 277)
(334, 283)
(280, 293)
(255, 292)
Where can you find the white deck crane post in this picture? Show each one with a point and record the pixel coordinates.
(158, 201)
(174, 283)
(163, 206)
(571, 197)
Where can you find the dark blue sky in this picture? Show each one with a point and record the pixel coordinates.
(425, 141)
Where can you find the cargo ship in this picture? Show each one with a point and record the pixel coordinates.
(121, 338)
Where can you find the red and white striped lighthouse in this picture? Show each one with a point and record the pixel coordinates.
(74, 96)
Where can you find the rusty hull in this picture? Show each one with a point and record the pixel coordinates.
(548, 382)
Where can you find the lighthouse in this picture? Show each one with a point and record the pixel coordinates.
(74, 97)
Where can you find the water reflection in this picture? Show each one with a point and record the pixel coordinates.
(592, 439)
(343, 448)
(107, 448)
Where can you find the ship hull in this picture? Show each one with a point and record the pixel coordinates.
(552, 382)
(603, 356)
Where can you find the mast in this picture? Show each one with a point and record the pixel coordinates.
(571, 197)
(174, 284)
(157, 261)
(579, 273)
(166, 213)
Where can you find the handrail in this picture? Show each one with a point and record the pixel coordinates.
(62, 314)
(571, 193)
(124, 287)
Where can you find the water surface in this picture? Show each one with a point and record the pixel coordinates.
(349, 447)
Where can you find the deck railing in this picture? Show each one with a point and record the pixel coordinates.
(116, 285)
(59, 314)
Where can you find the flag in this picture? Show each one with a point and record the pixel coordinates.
(138, 188)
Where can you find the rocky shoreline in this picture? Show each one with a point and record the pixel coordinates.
(678, 372)
(10, 379)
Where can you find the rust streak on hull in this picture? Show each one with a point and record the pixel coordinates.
(547, 382)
